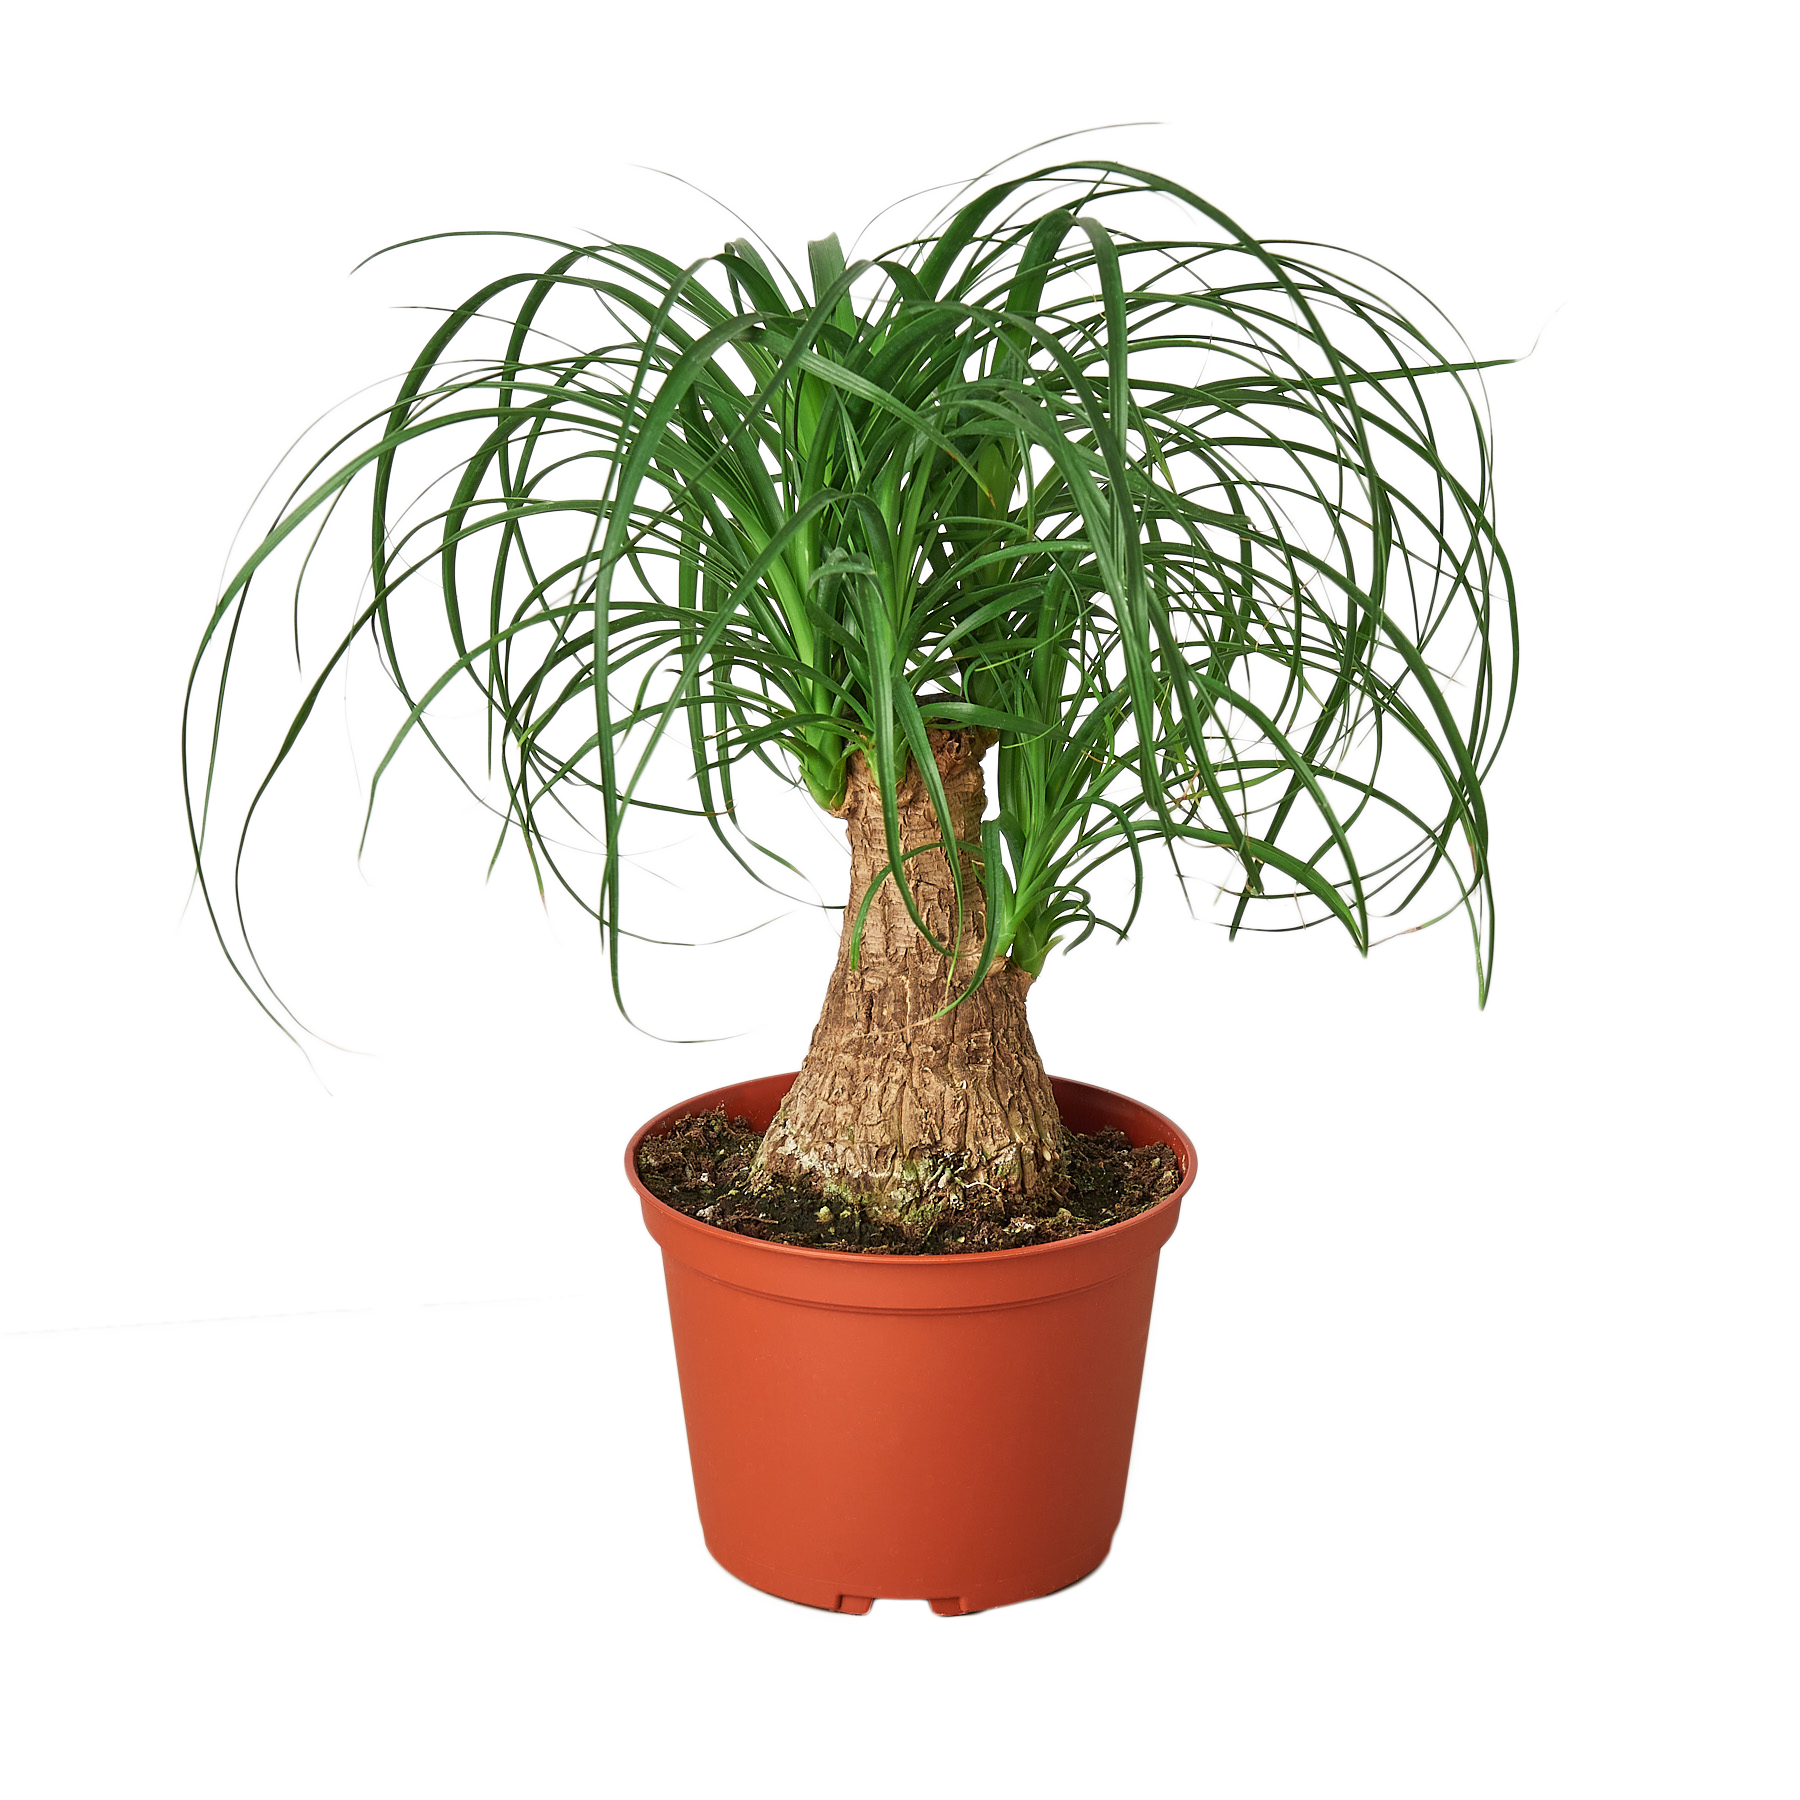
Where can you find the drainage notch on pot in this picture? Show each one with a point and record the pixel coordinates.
(947, 1428)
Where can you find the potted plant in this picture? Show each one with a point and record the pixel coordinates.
(1082, 490)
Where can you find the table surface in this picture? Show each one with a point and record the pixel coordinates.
(1372, 1435)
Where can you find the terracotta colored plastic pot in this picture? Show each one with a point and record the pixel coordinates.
(947, 1428)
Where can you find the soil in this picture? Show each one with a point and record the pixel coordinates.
(701, 1167)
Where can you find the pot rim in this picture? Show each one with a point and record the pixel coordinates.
(1084, 1242)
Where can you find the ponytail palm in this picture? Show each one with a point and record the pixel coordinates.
(1192, 531)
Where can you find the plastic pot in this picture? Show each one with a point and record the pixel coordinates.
(947, 1428)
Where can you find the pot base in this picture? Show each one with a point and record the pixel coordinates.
(810, 1591)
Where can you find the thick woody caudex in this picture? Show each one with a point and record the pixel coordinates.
(902, 1093)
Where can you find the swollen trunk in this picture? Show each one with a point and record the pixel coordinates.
(896, 1110)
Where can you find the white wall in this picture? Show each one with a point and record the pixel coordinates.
(177, 312)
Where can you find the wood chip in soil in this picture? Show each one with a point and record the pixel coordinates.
(701, 1167)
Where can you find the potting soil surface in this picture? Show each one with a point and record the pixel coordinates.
(701, 1166)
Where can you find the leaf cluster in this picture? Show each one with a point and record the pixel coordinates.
(1198, 530)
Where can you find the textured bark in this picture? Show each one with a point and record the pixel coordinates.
(895, 1110)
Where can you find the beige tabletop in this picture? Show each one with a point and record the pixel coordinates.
(1345, 1435)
